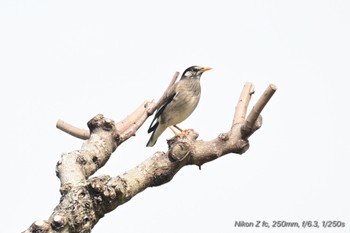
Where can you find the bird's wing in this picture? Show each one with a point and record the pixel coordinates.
(159, 112)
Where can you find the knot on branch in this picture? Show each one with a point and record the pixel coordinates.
(241, 146)
(162, 175)
(58, 221)
(39, 226)
(65, 188)
(181, 146)
(77, 206)
(224, 137)
(100, 122)
(164, 169)
(179, 151)
(101, 191)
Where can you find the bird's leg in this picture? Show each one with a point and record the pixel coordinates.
(183, 131)
(175, 130)
(177, 127)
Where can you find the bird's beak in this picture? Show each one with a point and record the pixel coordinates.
(206, 69)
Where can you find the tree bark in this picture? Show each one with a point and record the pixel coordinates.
(86, 199)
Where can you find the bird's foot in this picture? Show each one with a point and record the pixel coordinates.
(184, 133)
(179, 132)
(185, 136)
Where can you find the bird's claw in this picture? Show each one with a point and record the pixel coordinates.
(184, 132)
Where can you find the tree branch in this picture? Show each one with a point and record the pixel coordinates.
(72, 130)
(243, 102)
(85, 200)
(250, 123)
(130, 124)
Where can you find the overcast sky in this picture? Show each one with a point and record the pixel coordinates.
(71, 60)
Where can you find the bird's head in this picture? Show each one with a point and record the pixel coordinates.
(194, 72)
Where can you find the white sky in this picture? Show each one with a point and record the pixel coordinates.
(71, 60)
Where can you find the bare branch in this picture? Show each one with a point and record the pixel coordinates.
(127, 127)
(259, 106)
(134, 121)
(72, 130)
(243, 102)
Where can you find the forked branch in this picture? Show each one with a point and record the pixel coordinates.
(86, 199)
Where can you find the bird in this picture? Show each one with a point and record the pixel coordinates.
(182, 100)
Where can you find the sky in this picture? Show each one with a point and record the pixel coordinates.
(72, 60)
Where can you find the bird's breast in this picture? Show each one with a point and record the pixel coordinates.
(182, 106)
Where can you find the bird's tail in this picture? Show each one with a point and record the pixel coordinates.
(156, 133)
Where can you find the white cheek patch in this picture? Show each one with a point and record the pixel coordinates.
(188, 74)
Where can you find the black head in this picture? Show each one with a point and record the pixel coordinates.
(194, 72)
